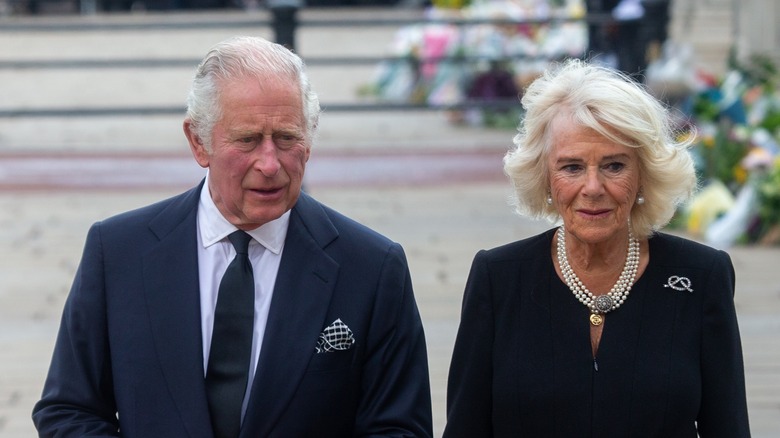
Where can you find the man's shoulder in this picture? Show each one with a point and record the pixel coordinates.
(176, 205)
(323, 220)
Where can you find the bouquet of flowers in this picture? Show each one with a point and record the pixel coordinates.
(738, 157)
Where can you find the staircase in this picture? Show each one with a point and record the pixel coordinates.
(709, 27)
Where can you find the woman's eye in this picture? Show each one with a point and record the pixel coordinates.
(615, 167)
(571, 168)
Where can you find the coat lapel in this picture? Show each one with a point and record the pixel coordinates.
(172, 295)
(304, 286)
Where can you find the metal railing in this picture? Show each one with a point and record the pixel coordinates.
(9, 26)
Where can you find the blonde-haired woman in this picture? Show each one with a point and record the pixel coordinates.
(602, 326)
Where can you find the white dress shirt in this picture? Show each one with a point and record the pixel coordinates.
(215, 252)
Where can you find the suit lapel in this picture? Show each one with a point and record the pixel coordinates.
(303, 290)
(172, 294)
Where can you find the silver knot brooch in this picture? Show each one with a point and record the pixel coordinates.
(679, 283)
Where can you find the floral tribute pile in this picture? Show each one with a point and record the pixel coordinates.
(737, 120)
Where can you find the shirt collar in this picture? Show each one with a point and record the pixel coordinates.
(213, 227)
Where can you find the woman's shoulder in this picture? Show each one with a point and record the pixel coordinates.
(677, 250)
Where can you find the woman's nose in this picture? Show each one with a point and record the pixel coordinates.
(593, 183)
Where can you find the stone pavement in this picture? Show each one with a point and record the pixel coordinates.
(440, 223)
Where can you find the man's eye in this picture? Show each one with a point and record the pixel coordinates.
(286, 141)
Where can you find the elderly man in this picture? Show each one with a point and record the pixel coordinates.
(242, 307)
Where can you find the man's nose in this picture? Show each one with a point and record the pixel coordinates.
(267, 160)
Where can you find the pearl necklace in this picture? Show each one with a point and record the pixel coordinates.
(610, 301)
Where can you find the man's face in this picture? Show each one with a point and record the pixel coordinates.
(259, 150)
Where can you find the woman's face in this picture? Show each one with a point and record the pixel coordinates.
(593, 182)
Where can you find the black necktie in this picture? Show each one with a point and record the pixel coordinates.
(231, 341)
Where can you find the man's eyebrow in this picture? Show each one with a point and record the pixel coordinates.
(243, 132)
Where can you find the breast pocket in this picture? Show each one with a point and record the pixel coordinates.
(330, 374)
(331, 361)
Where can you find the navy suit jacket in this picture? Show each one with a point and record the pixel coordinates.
(669, 363)
(128, 359)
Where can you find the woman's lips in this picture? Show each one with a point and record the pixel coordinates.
(594, 213)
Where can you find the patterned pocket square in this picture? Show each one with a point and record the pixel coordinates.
(337, 336)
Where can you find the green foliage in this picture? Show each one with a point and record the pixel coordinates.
(722, 154)
(769, 196)
(760, 70)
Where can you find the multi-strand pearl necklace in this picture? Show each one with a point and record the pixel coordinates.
(610, 301)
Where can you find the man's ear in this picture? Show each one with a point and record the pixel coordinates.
(197, 147)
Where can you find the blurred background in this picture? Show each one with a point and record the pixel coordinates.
(420, 104)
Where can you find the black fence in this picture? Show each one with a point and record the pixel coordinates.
(164, 23)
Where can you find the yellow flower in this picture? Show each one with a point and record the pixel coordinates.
(740, 174)
(712, 201)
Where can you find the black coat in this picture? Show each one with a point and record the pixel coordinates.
(669, 362)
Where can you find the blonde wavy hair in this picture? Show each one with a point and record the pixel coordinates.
(621, 110)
